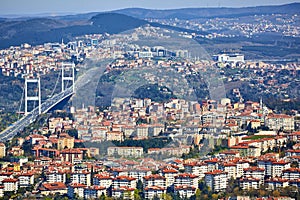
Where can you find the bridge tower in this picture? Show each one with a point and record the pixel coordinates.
(67, 78)
(35, 97)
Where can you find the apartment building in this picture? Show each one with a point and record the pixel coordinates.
(217, 180)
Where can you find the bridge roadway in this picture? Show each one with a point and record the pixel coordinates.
(90, 74)
(12, 130)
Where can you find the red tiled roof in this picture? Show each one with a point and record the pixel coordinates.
(54, 186)
(154, 176)
(215, 172)
(123, 188)
(171, 170)
(185, 187)
(291, 170)
(249, 179)
(125, 178)
(186, 175)
(154, 188)
(276, 180)
(101, 176)
(280, 162)
(96, 187)
(77, 185)
(10, 180)
(254, 169)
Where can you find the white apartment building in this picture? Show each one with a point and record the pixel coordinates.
(124, 181)
(198, 169)
(247, 183)
(26, 179)
(134, 152)
(280, 121)
(185, 191)
(217, 180)
(154, 191)
(291, 173)
(187, 180)
(103, 180)
(10, 184)
(82, 177)
(56, 176)
(94, 192)
(123, 192)
(154, 180)
(255, 172)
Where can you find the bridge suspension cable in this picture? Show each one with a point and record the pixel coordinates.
(56, 83)
(21, 103)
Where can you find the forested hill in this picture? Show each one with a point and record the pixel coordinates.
(42, 30)
(193, 13)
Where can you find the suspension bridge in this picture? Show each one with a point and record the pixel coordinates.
(31, 116)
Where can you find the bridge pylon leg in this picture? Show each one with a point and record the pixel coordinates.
(34, 97)
(67, 78)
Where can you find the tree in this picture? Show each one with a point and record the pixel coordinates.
(167, 197)
(198, 194)
(102, 197)
(276, 193)
(73, 133)
(295, 164)
(215, 196)
(236, 191)
(261, 193)
(156, 197)
(137, 195)
(175, 196)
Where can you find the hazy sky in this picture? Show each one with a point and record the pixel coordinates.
(18, 7)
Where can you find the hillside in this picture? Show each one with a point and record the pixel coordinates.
(193, 13)
(53, 29)
(42, 30)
